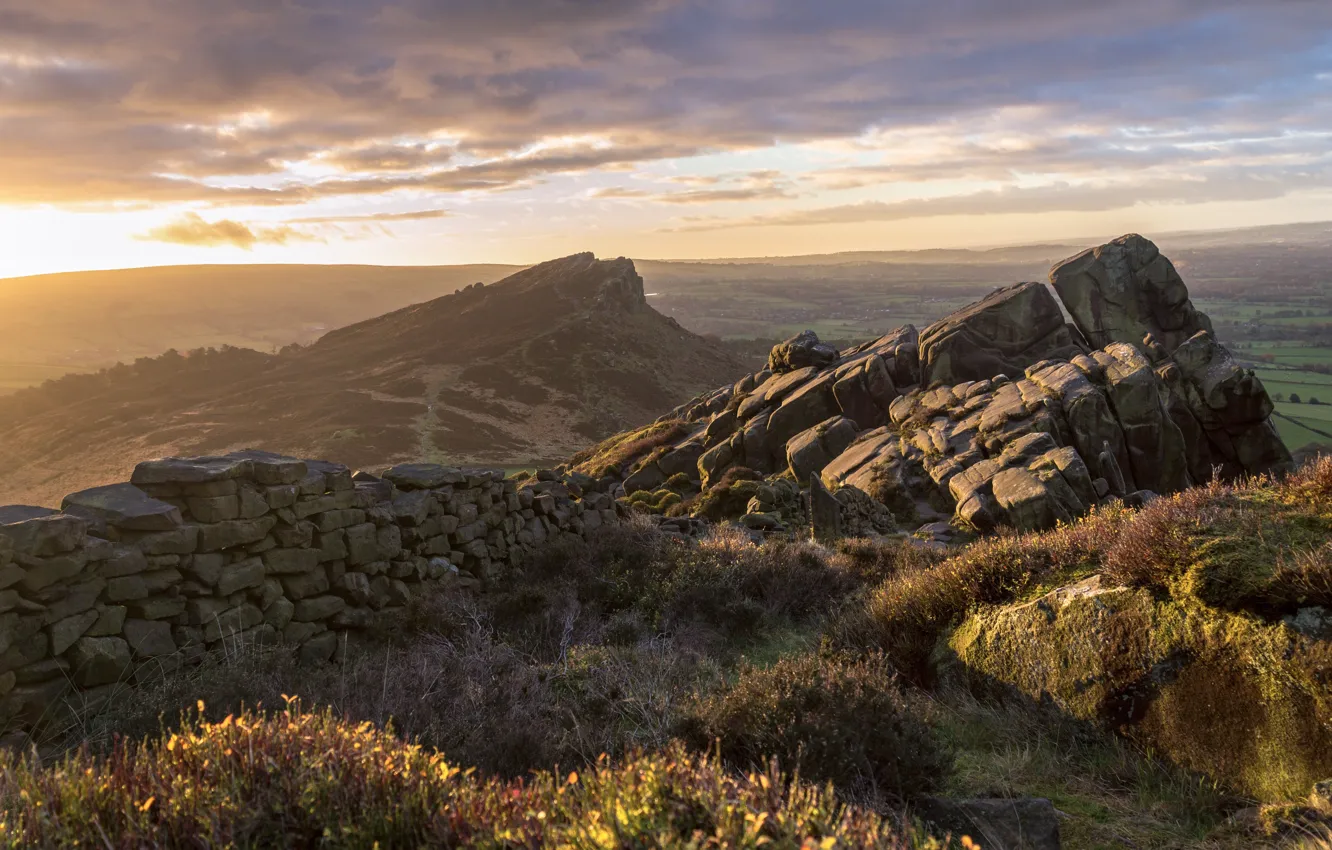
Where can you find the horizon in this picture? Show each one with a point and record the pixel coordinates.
(392, 132)
(1068, 242)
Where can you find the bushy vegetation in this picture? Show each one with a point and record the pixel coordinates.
(833, 719)
(610, 456)
(827, 660)
(1250, 546)
(308, 779)
(926, 594)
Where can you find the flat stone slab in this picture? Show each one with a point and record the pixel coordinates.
(191, 470)
(43, 534)
(271, 468)
(423, 476)
(124, 506)
(22, 513)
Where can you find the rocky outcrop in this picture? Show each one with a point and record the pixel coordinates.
(800, 351)
(201, 554)
(999, 414)
(1002, 334)
(1224, 694)
(1124, 290)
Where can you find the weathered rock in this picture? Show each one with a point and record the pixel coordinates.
(41, 534)
(193, 470)
(865, 391)
(1021, 823)
(1124, 290)
(825, 513)
(809, 452)
(1156, 449)
(422, 476)
(1223, 694)
(800, 351)
(272, 469)
(809, 405)
(1232, 407)
(123, 506)
(149, 638)
(1003, 334)
(98, 661)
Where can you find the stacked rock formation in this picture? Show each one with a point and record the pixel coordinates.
(196, 554)
(1001, 414)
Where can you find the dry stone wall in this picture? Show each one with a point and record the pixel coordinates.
(195, 555)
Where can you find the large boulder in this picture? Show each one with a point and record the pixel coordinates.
(810, 451)
(1158, 455)
(1002, 334)
(1232, 407)
(1124, 290)
(865, 391)
(800, 351)
(1228, 695)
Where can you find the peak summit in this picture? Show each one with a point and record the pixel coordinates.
(583, 279)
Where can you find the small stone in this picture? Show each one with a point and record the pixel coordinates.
(318, 608)
(214, 508)
(279, 613)
(70, 629)
(110, 620)
(288, 561)
(319, 648)
(248, 573)
(123, 506)
(99, 660)
(305, 585)
(272, 469)
(44, 572)
(239, 532)
(158, 609)
(149, 638)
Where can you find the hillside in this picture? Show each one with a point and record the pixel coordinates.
(54, 324)
(532, 367)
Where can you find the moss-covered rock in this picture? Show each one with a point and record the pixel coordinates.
(1226, 694)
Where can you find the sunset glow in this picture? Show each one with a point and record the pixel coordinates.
(408, 132)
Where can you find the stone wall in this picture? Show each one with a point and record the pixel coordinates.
(200, 554)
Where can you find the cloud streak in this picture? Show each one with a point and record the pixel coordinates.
(239, 103)
(192, 230)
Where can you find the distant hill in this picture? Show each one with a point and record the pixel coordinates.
(533, 367)
(81, 321)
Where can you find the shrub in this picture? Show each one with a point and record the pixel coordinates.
(680, 482)
(736, 588)
(729, 497)
(613, 453)
(297, 779)
(1255, 545)
(905, 616)
(829, 718)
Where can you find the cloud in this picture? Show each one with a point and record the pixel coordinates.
(418, 215)
(192, 229)
(1056, 197)
(241, 102)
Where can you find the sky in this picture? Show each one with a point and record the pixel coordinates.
(150, 132)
